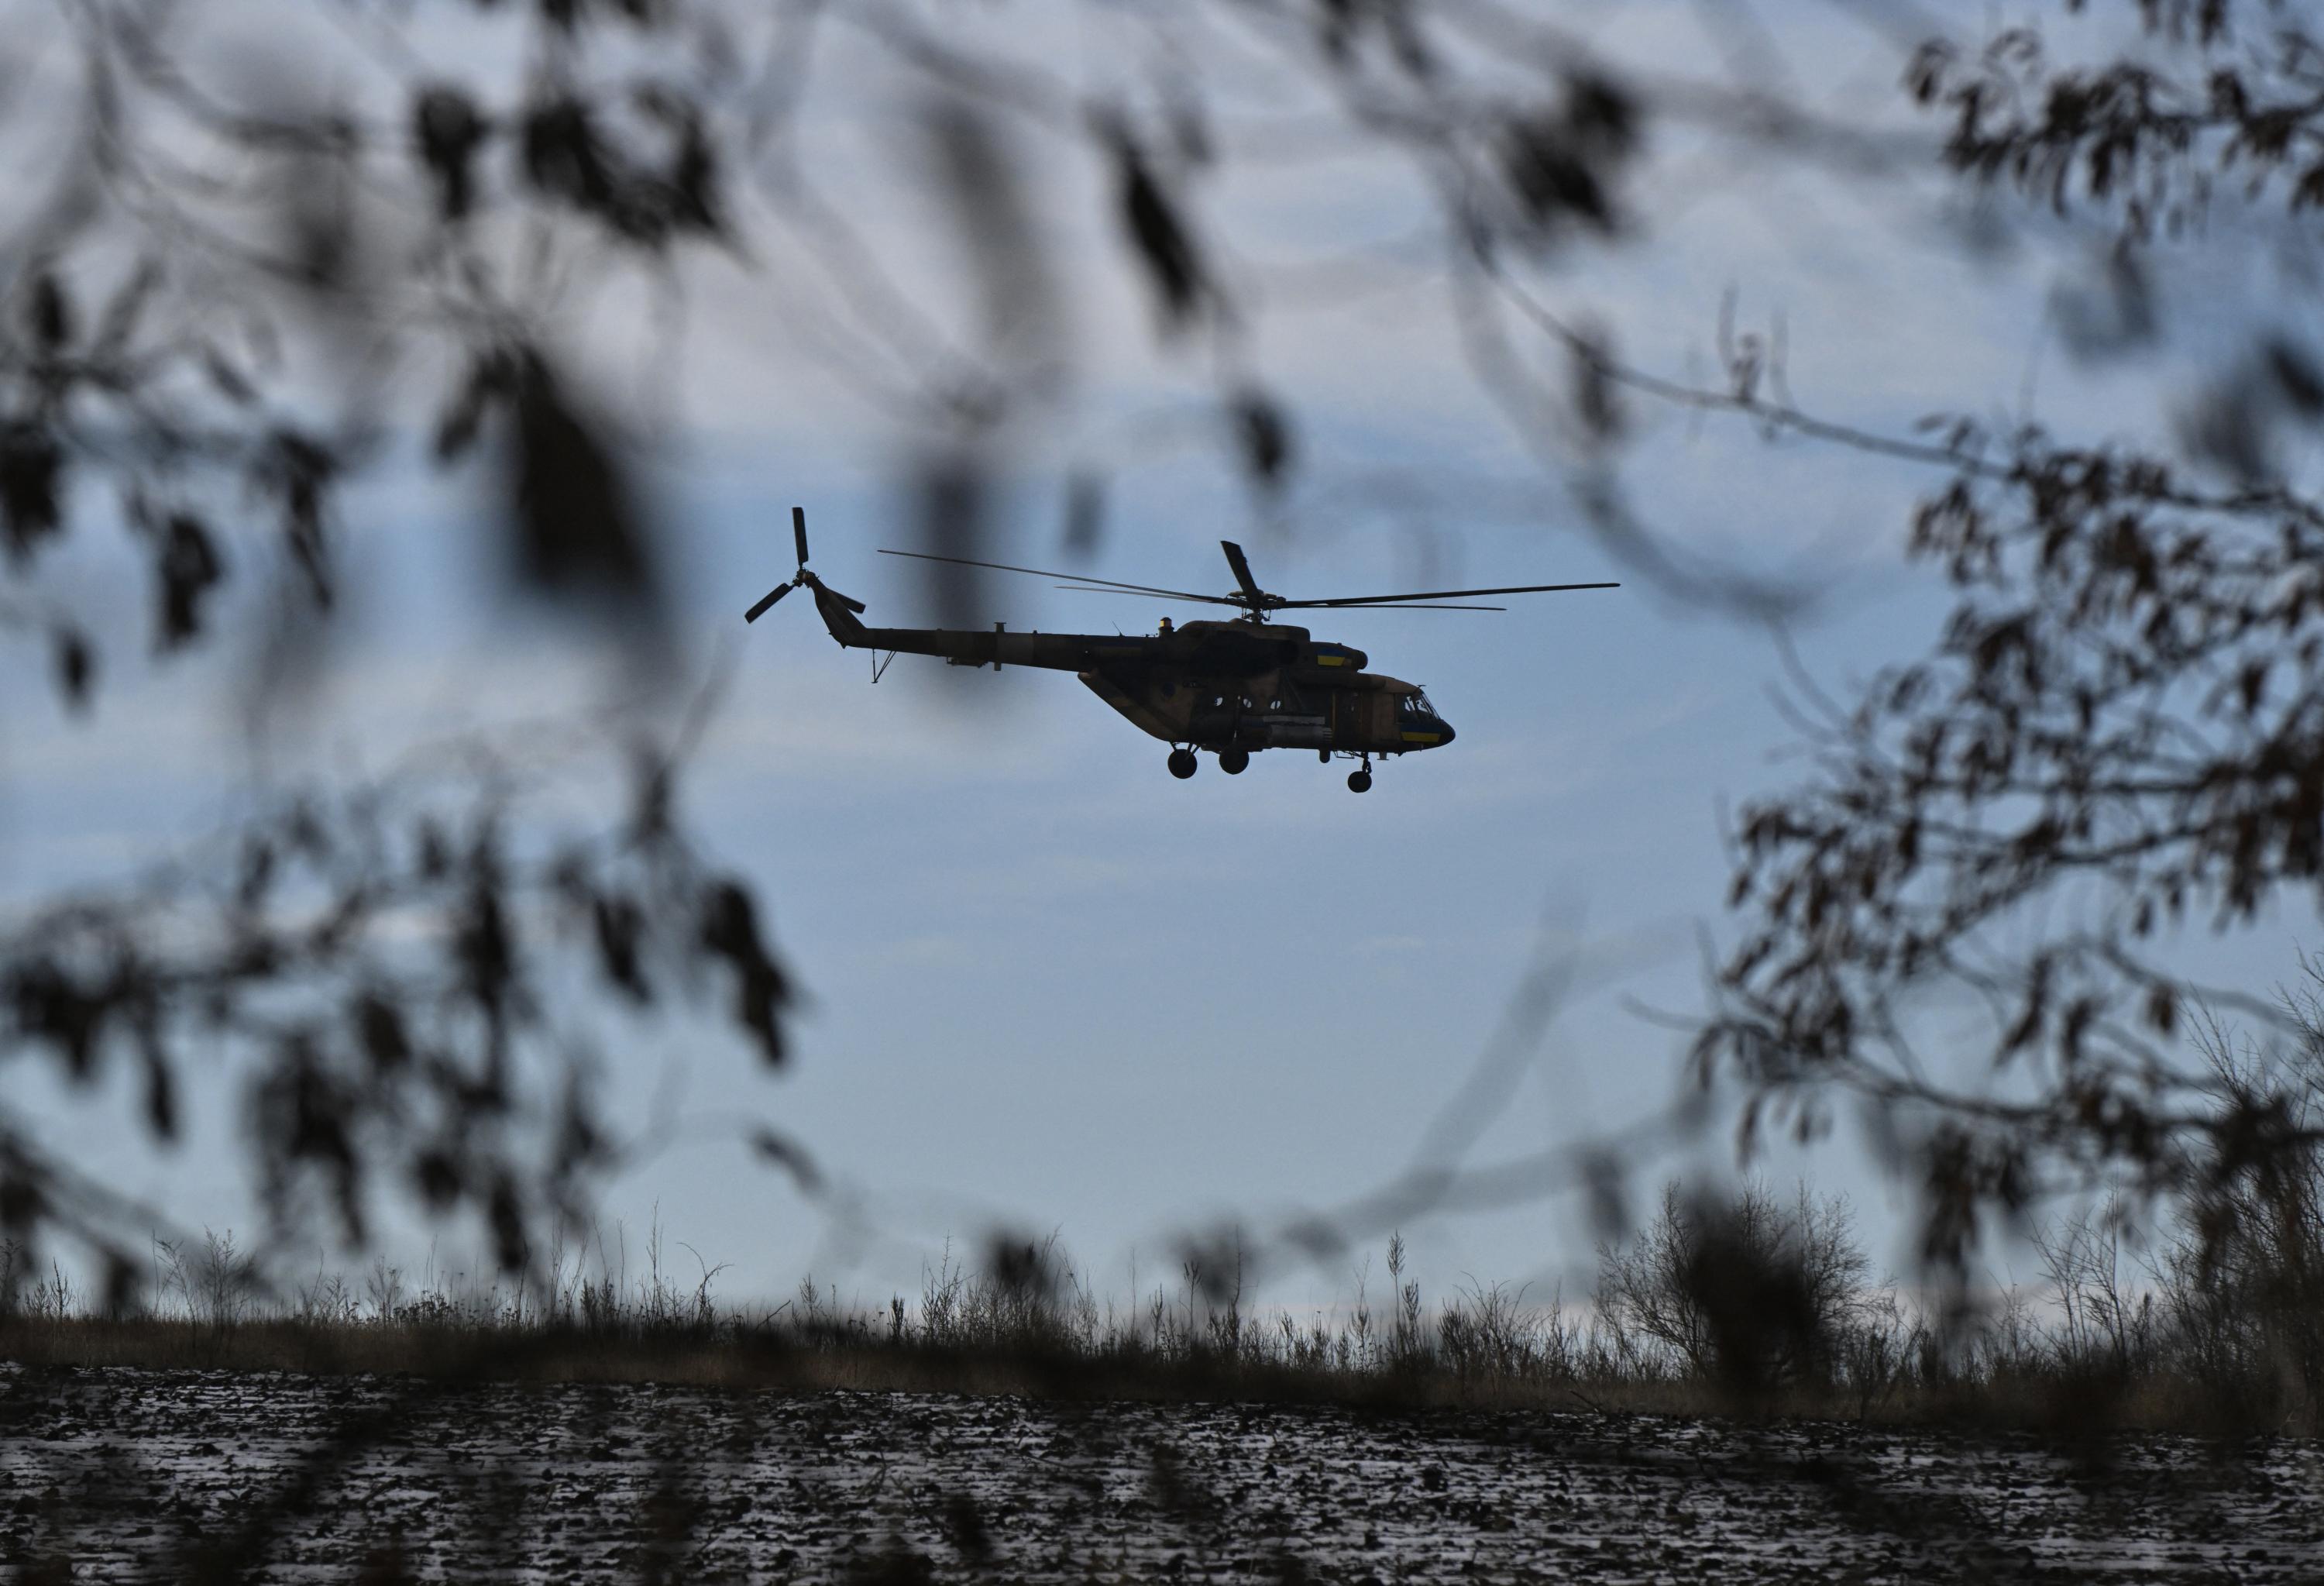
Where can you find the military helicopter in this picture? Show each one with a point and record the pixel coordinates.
(1232, 687)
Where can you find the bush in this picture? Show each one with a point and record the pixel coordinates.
(1745, 1290)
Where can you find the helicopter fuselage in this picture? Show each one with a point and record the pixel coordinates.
(1217, 686)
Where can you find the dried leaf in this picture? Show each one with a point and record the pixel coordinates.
(32, 484)
(447, 130)
(578, 529)
(49, 313)
(730, 929)
(1265, 434)
(76, 664)
(190, 568)
(1084, 512)
(1158, 234)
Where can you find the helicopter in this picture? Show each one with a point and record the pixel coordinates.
(1232, 689)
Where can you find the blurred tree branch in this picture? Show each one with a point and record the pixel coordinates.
(386, 967)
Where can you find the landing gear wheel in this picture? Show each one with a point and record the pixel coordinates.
(1182, 763)
(1234, 762)
(1360, 781)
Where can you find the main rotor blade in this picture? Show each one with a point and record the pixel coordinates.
(1149, 594)
(1447, 595)
(798, 532)
(1039, 573)
(1223, 600)
(1242, 565)
(760, 610)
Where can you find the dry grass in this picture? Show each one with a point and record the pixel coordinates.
(743, 1361)
(1032, 1327)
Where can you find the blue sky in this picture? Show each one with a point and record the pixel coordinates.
(1054, 989)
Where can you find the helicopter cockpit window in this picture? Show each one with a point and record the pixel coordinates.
(1416, 704)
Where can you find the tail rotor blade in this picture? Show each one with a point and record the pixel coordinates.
(760, 610)
(798, 532)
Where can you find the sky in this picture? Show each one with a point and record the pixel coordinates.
(1050, 988)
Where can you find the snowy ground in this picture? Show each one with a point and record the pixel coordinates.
(133, 1475)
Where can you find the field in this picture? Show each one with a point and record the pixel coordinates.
(125, 1474)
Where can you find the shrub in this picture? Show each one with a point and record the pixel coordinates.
(1743, 1290)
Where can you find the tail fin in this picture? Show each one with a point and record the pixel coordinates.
(839, 614)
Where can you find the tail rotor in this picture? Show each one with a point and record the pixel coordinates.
(798, 534)
(799, 538)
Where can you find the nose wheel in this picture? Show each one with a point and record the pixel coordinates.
(1361, 780)
(1234, 762)
(1182, 763)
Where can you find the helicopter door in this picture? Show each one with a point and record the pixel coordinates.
(1297, 718)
